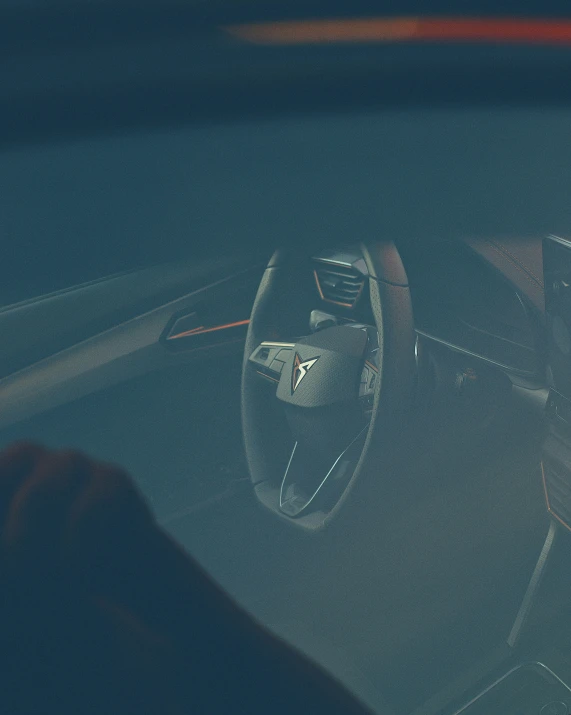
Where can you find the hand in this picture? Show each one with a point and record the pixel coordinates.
(103, 613)
(67, 527)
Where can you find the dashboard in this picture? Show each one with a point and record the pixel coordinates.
(460, 300)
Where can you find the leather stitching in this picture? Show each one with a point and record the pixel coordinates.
(517, 260)
(519, 268)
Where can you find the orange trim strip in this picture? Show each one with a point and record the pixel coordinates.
(406, 29)
(263, 374)
(373, 367)
(201, 330)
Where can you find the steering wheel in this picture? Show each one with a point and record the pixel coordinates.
(323, 399)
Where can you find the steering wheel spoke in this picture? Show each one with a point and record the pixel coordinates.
(309, 481)
(269, 358)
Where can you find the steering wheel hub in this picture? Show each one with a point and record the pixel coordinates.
(324, 368)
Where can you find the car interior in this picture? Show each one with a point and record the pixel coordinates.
(315, 298)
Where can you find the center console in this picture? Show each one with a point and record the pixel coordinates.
(532, 674)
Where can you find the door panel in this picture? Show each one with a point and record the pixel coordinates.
(176, 431)
(160, 400)
(35, 329)
(99, 346)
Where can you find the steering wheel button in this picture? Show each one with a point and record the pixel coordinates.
(277, 365)
(263, 354)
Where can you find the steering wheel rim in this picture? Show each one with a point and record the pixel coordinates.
(262, 416)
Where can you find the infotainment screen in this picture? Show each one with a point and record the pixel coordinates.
(557, 277)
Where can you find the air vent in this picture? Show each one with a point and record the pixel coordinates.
(339, 284)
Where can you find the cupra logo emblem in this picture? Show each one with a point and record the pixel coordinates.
(300, 370)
